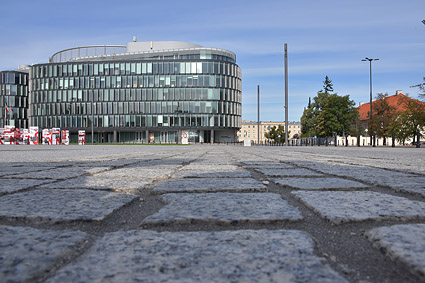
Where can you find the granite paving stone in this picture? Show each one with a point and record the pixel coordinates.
(210, 185)
(350, 206)
(410, 184)
(26, 253)
(14, 185)
(372, 175)
(62, 205)
(405, 243)
(212, 167)
(101, 183)
(274, 165)
(211, 170)
(138, 172)
(228, 256)
(61, 173)
(319, 183)
(10, 171)
(224, 208)
(292, 172)
(109, 163)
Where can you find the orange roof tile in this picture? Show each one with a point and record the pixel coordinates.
(394, 101)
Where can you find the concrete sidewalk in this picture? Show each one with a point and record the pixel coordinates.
(211, 213)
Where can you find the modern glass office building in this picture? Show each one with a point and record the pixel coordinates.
(14, 95)
(161, 92)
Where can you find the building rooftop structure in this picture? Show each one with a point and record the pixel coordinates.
(395, 101)
(146, 50)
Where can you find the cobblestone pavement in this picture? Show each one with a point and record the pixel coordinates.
(211, 213)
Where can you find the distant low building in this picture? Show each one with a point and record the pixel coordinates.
(395, 101)
(249, 130)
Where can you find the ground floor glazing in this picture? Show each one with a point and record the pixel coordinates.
(159, 136)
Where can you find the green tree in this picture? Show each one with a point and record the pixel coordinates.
(329, 113)
(327, 85)
(336, 116)
(307, 121)
(383, 118)
(276, 134)
(411, 119)
(421, 87)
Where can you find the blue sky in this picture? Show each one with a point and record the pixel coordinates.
(324, 38)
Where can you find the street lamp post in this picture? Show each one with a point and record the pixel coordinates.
(370, 80)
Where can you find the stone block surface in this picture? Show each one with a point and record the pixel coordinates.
(326, 183)
(101, 183)
(404, 243)
(269, 165)
(290, 172)
(157, 171)
(349, 206)
(14, 185)
(62, 205)
(210, 185)
(26, 253)
(211, 170)
(61, 173)
(224, 208)
(229, 256)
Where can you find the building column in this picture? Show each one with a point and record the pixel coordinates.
(115, 136)
(147, 136)
(212, 136)
(201, 136)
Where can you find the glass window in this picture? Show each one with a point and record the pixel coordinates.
(199, 67)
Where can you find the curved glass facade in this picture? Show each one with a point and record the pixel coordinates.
(136, 100)
(14, 94)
